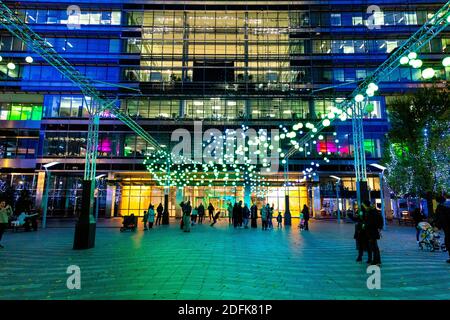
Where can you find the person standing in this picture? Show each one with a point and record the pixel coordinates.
(360, 234)
(159, 210)
(187, 217)
(145, 220)
(254, 215)
(270, 216)
(211, 211)
(264, 214)
(417, 217)
(240, 214)
(194, 215)
(235, 215)
(305, 212)
(182, 206)
(5, 214)
(230, 213)
(279, 220)
(443, 222)
(151, 216)
(201, 213)
(374, 224)
(246, 211)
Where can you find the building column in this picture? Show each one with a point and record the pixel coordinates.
(110, 197)
(40, 189)
(179, 196)
(316, 204)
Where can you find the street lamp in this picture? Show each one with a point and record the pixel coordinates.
(338, 184)
(46, 187)
(381, 174)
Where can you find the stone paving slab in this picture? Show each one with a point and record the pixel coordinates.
(218, 263)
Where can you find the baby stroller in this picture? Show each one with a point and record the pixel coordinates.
(429, 238)
(129, 223)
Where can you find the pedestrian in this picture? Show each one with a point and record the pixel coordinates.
(194, 215)
(254, 215)
(230, 213)
(201, 213)
(264, 214)
(443, 221)
(360, 236)
(5, 214)
(270, 217)
(215, 218)
(417, 217)
(279, 220)
(145, 220)
(305, 212)
(151, 216)
(246, 212)
(235, 215)
(182, 206)
(373, 226)
(159, 210)
(187, 217)
(240, 214)
(211, 211)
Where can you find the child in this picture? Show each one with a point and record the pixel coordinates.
(279, 219)
(145, 219)
(302, 221)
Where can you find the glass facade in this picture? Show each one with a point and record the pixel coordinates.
(168, 64)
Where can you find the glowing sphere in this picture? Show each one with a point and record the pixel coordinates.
(428, 73)
(404, 60)
(29, 59)
(11, 66)
(445, 62)
(359, 98)
(412, 55)
(326, 122)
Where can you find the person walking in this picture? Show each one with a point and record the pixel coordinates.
(230, 213)
(211, 211)
(145, 220)
(151, 216)
(374, 224)
(215, 218)
(235, 215)
(194, 215)
(279, 220)
(187, 217)
(443, 222)
(5, 213)
(159, 210)
(270, 216)
(305, 212)
(201, 213)
(246, 212)
(254, 215)
(417, 217)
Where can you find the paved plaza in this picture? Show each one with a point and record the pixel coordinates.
(218, 263)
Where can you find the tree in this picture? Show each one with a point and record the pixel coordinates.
(417, 150)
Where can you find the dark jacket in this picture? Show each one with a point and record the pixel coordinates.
(211, 209)
(417, 217)
(201, 210)
(160, 210)
(443, 217)
(305, 212)
(246, 213)
(373, 223)
(254, 211)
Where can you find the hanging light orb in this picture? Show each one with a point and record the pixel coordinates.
(359, 98)
(373, 86)
(11, 66)
(412, 55)
(404, 60)
(370, 92)
(445, 62)
(29, 59)
(1, 58)
(326, 122)
(428, 73)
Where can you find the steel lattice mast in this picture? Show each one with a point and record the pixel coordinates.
(99, 102)
(436, 24)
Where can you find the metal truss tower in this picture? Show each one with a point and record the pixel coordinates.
(436, 24)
